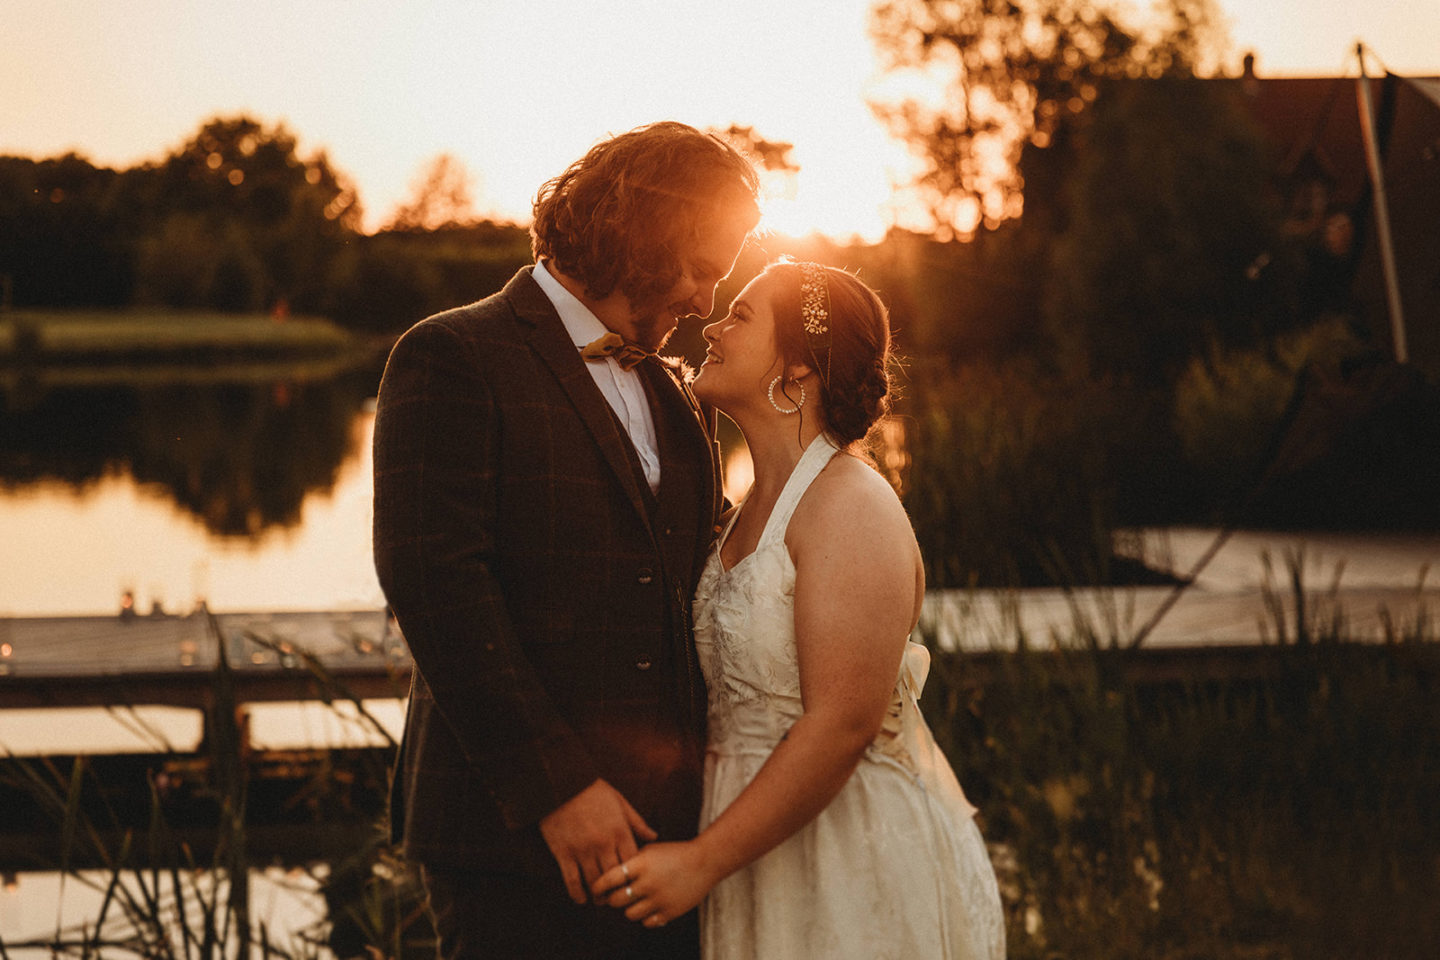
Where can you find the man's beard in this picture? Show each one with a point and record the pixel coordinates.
(655, 325)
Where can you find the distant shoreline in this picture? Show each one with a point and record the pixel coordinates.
(45, 338)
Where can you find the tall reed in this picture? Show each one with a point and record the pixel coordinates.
(1285, 810)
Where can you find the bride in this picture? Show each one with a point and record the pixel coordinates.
(832, 826)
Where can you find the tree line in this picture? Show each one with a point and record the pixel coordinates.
(236, 220)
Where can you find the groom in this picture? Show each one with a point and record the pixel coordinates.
(545, 492)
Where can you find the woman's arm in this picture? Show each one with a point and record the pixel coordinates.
(855, 600)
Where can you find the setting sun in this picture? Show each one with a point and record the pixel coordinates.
(840, 195)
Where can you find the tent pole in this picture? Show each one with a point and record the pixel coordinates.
(1382, 211)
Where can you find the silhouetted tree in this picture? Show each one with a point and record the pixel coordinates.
(65, 237)
(241, 221)
(240, 458)
(1014, 73)
(236, 168)
(778, 170)
(771, 155)
(390, 280)
(439, 197)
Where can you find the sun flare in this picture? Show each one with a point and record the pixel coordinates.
(842, 194)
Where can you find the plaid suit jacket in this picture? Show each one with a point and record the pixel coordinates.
(543, 590)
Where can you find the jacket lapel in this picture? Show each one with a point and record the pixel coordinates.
(675, 396)
(551, 343)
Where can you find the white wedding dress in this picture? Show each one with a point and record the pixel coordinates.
(894, 867)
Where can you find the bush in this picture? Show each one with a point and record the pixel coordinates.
(1229, 404)
(391, 280)
(1010, 475)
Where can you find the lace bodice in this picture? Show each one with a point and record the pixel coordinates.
(745, 634)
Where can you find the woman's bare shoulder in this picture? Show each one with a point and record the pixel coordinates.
(851, 533)
(850, 497)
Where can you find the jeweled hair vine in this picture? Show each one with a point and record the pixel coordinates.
(815, 314)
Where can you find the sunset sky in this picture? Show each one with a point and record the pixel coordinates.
(516, 90)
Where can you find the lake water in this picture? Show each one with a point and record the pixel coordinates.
(34, 906)
(80, 548)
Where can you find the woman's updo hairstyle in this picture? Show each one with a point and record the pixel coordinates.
(856, 387)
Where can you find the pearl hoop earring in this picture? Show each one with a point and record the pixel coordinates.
(798, 404)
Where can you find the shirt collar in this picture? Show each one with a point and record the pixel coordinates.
(582, 325)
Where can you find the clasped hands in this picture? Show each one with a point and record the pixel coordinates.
(593, 837)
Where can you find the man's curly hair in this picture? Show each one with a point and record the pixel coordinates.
(621, 217)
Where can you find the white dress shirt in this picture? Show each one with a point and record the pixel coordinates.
(622, 388)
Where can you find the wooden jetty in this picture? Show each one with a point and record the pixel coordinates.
(170, 660)
(303, 805)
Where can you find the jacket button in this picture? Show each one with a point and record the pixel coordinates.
(643, 663)
(646, 575)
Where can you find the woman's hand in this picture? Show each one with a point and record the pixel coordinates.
(658, 884)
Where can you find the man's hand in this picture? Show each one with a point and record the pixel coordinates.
(592, 832)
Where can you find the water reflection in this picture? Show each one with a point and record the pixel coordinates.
(33, 906)
(245, 485)
(239, 457)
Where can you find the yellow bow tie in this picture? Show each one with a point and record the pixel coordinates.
(614, 345)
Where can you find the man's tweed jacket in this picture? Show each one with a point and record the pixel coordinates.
(543, 590)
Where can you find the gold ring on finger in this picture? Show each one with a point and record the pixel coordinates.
(630, 894)
(625, 871)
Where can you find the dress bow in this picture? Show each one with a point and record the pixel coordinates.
(613, 345)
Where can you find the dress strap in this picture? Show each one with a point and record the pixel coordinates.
(807, 468)
(730, 524)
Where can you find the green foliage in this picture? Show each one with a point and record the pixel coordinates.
(394, 279)
(279, 219)
(1007, 481)
(969, 302)
(1169, 238)
(1360, 451)
(1281, 811)
(234, 219)
(67, 232)
(1229, 404)
(237, 220)
(1149, 228)
(238, 169)
(189, 262)
(123, 335)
